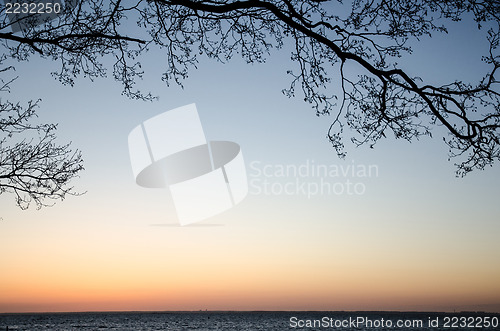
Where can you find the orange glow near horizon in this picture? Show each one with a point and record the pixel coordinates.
(275, 254)
(70, 266)
(219, 279)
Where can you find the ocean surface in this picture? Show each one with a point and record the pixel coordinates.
(243, 321)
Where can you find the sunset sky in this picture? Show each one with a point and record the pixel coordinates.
(418, 238)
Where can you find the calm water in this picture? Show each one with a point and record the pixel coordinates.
(248, 321)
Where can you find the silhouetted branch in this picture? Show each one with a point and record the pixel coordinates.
(371, 34)
(32, 166)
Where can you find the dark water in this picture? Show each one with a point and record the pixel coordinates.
(250, 321)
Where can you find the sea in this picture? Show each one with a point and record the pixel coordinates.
(254, 320)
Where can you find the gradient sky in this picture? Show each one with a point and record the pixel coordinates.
(417, 239)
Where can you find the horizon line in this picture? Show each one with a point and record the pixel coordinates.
(254, 311)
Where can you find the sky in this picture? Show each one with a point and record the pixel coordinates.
(409, 236)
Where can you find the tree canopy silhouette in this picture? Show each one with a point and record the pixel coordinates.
(326, 37)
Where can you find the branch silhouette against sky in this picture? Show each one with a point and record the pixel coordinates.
(33, 166)
(326, 39)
